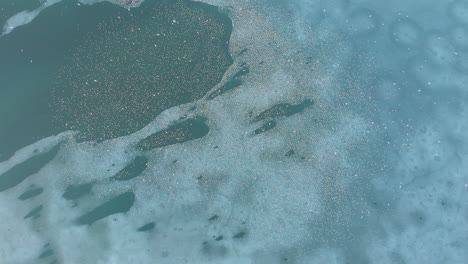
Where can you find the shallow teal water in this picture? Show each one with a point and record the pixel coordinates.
(233, 131)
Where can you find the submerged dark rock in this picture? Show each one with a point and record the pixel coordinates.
(20, 172)
(229, 85)
(265, 127)
(146, 227)
(214, 217)
(187, 130)
(290, 153)
(242, 51)
(31, 193)
(239, 235)
(74, 192)
(132, 170)
(118, 204)
(211, 250)
(232, 83)
(34, 212)
(142, 60)
(283, 110)
(162, 54)
(47, 253)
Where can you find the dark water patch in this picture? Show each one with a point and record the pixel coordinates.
(309, 60)
(418, 218)
(34, 212)
(31, 193)
(265, 127)
(135, 66)
(132, 170)
(240, 235)
(290, 153)
(233, 82)
(67, 45)
(47, 253)
(243, 71)
(219, 238)
(229, 85)
(119, 204)
(21, 171)
(213, 218)
(31, 56)
(187, 130)
(76, 191)
(211, 250)
(146, 227)
(242, 51)
(283, 110)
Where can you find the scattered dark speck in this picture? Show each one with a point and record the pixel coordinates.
(265, 127)
(23, 170)
(214, 217)
(146, 227)
(47, 253)
(219, 238)
(283, 110)
(31, 193)
(34, 212)
(132, 170)
(242, 51)
(239, 235)
(187, 130)
(73, 192)
(118, 204)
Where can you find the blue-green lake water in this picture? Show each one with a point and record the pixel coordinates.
(215, 131)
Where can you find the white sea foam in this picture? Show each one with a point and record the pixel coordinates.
(378, 170)
(27, 16)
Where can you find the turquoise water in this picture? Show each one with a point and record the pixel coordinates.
(213, 131)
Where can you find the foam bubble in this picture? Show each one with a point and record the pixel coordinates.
(363, 21)
(440, 49)
(389, 91)
(406, 33)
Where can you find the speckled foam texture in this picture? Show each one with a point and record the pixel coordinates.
(378, 173)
